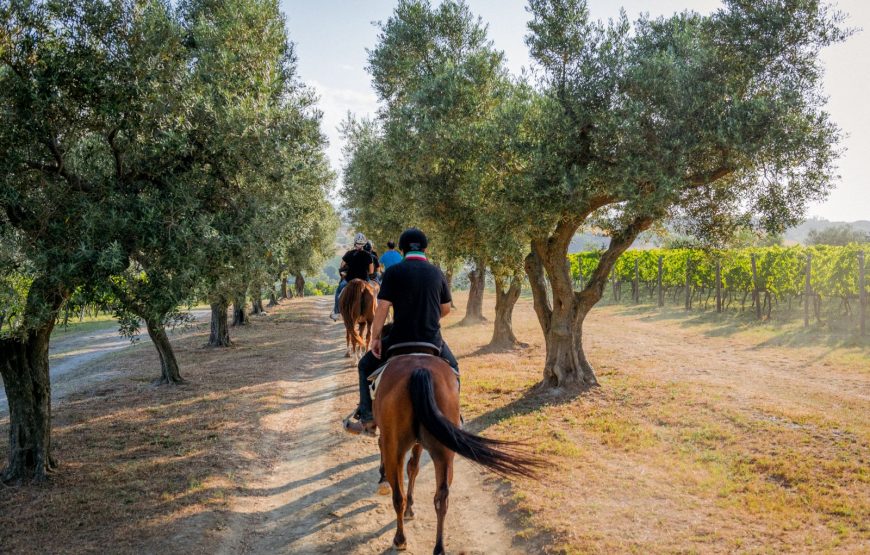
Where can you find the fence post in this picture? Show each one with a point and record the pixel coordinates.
(862, 293)
(755, 294)
(688, 281)
(659, 284)
(808, 290)
(636, 283)
(718, 285)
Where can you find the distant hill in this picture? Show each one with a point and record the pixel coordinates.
(798, 234)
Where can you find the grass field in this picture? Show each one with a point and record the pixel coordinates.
(705, 435)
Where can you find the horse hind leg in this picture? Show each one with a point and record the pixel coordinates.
(442, 460)
(413, 469)
(393, 469)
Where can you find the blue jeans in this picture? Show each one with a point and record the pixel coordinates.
(341, 285)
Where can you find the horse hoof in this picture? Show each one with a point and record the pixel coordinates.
(346, 355)
(400, 546)
(384, 488)
(409, 516)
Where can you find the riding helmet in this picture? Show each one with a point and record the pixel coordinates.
(413, 240)
(359, 240)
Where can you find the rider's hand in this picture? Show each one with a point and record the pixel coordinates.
(376, 348)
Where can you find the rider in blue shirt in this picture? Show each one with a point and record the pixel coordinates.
(391, 256)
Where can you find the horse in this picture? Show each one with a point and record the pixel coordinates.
(416, 407)
(357, 304)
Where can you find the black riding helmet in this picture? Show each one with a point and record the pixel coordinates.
(413, 240)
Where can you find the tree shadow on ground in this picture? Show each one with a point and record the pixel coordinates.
(835, 331)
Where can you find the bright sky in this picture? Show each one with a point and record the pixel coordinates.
(332, 37)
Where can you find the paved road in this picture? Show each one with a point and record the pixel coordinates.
(71, 353)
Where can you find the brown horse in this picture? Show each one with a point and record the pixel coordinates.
(416, 406)
(357, 304)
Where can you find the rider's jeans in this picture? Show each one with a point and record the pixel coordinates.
(341, 285)
(369, 363)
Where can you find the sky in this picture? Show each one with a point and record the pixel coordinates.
(332, 36)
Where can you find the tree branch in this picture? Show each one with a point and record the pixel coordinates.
(619, 242)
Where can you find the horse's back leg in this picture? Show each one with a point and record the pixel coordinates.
(413, 469)
(442, 460)
(392, 458)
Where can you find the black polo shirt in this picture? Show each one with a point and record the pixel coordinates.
(417, 290)
(357, 264)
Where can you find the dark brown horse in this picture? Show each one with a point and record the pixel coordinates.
(416, 407)
(357, 304)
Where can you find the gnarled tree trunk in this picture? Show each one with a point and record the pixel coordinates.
(284, 294)
(240, 316)
(257, 301)
(24, 367)
(449, 276)
(562, 318)
(300, 285)
(169, 373)
(220, 330)
(474, 307)
(505, 299)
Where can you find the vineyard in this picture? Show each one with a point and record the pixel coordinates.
(821, 279)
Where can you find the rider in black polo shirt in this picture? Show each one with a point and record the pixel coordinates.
(418, 292)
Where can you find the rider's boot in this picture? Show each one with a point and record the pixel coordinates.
(360, 427)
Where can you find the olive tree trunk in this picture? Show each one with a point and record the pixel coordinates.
(24, 367)
(562, 318)
(257, 301)
(448, 275)
(284, 294)
(169, 372)
(300, 285)
(220, 329)
(240, 315)
(474, 307)
(505, 299)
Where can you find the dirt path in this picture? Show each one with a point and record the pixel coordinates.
(319, 495)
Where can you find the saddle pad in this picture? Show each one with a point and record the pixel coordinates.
(375, 377)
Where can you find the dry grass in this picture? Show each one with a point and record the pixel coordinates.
(145, 469)
(697, 442)
(693, 444)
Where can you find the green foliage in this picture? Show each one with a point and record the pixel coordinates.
(436, 156)
(148, 151)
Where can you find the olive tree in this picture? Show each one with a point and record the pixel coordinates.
(89, 118)
(713, 119)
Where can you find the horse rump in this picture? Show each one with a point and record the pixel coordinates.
(505, 458)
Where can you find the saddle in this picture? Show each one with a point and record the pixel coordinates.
(408, 348)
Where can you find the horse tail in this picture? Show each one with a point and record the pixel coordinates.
(502, 457)
(349, 306)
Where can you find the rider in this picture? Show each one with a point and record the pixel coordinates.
(418, 292)
(377, 265)
(391, 256)
(355, 264)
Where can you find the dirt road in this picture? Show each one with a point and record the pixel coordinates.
(319, 495)
(72, 354)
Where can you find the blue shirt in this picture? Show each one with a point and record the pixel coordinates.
(389, 258)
